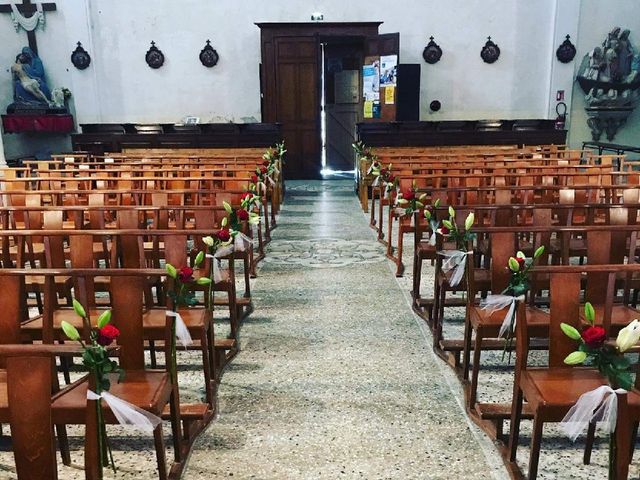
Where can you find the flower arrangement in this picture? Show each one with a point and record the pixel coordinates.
(95, 360)
(363, 152)
(449, 229)
(519, 285)
(408, 201)
(385, 176)
(431, 215)
(593, 348)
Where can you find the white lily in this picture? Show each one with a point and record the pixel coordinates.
(208, 241)
(628, 336)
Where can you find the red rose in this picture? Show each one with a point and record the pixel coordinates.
(245, 195)
(254, 178)
(594, 337)
(107, 334)
(242, 214)
(391, 178)
(263, 169)
(185, 274)
(444, 230)
(408, 195)
(521, 262)
(223, 235)
(383, 172)
(265, 163)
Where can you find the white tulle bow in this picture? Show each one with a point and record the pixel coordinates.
(493, 303)
(182, 332)
(242, 242)
(126, 413)
(455, 260)
(599, 405)
(220, 274)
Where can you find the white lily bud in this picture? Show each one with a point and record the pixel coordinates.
(628, 336)
(227, 207)
(208, 241)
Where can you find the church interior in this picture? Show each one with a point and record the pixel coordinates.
(319, 240)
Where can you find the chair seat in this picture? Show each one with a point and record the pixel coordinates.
(147, 389)
(559, 388)
(154, 321)
(489, 322)
(621, 315)
(33, 327)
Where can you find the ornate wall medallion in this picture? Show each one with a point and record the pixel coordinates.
(154, 57)
(208, 55)
(80, 57)
(566, 51)
(490, 52)
(432, 52)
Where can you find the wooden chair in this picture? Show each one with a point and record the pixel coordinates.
(551, 391)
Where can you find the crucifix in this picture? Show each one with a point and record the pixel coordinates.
(28, 9)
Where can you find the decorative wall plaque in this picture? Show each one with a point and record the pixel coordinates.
(80, 58)
(432, 52)
(490, 52)
(209, 56)
(566, 51)
(154, 57)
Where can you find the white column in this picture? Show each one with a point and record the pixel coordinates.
(3, 160)
(562, 76)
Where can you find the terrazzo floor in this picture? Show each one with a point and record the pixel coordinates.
(336, 379)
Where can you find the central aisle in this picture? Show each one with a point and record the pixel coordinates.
(335, 379)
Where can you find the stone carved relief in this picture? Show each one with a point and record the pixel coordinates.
(610, 77)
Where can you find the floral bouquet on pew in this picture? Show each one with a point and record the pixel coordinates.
(600, 404)
(95, 359)
(408, 201)
(519, 285)
(364, 153)
(219, 245)
(431, 215)
(593, 349)
(385, 176)
(237, 217)
(455, 260)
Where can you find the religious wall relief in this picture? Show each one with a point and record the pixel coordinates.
(609, 77)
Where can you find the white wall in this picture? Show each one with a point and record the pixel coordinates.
(597, 19)
(120, 87)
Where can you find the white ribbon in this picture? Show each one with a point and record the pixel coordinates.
(599, 405)
(376, 181)
(28, 23)
(493, 303)
(434, 227)
(182, 332)
(220, 274)
(242, 242)
(400, 211)
(271, 181)
(126, 413)
(455, 260)
(262, 187)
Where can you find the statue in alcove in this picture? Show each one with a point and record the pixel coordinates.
(609, 78)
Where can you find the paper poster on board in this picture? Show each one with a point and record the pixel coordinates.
(368, 109)
(388, 70)
(389, 95)
(371, 82)
(376, 110)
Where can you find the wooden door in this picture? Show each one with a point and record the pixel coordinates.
(290, 83)
(297, 105)
(377, 46)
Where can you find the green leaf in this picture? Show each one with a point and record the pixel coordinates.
(87, 359)
(589, 313)
(447, 224)
(171, 270)
(70, 331)
(106, 384)
(79, 309)
(575, 358)
(104, 318)
(570, 332)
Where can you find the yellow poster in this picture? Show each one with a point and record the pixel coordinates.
(368, 109)
(389, 94)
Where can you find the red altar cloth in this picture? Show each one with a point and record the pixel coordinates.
(22, 123)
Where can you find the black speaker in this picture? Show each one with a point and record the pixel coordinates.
(408, 95)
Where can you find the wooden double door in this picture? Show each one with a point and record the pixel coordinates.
(290, 85)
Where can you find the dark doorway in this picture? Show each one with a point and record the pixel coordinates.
(341, 104)
(291, 88)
